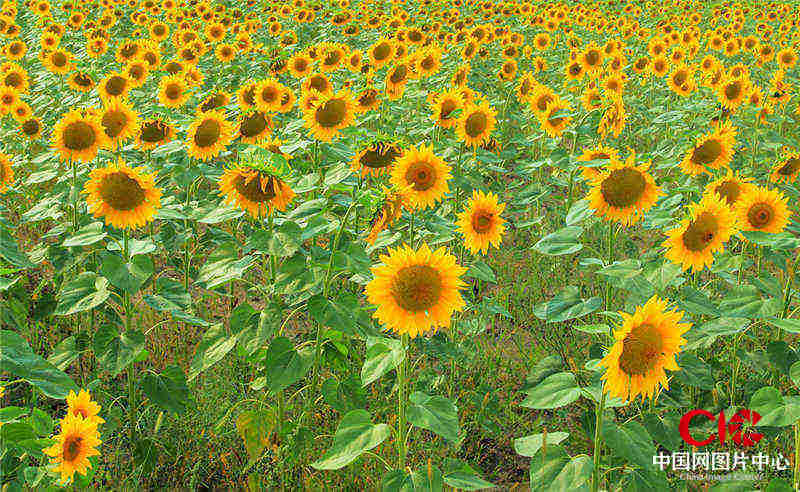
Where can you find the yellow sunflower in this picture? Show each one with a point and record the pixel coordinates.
(732, 92)
(208, 135)
(119, 120)
(75, 444)
(476, 124)
(256, 192)
(416, 290)
(268, 94)
(552, 119)
(423, 174)
(173, 91)
(82, 404)
(623, 192)
(126, 197)
(480, 223)
(153, 133)
(594, 154)
(78, 136)
(114, 85)
(711, 151)
(645, 345)
(681, 80)
(443, 107)
(329, 115)
(254, 127)
(376, 159)
(762, 209)
(787, 170)
(6, 173)
(693, 243)
(729, 187)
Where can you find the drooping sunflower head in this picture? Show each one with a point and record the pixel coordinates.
(215, 100)
(693, 243)
(762, 209)
(376, 159)
(481, 223)
(624, 192)
(153, 133)
(416, 291)
(476, 124)
(330, 114)
(77, 136)
(787, 170)
(389, 210)
(81, 81)
(257, 191)
(6, 173)
(75, 444)
(445, 107)
(645, 345)
(126, 197)
(553, 119)
(209, 134)
(424, 175)
(729, 187)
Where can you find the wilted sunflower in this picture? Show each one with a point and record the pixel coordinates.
(729, 187)
(787, 170)
(423, 174)
(75, 444)
(81, 404)
(623, 192)
(257, 192)
(126, 197)
(476, 124)
(215, 100)
(480, 223)
(416, 290)
(77, 136)
(173, 91)
(6, 173)
(119, 120)
(390, 209)
(153, 133)
(254, 127)
(645, 345)
(208, 135)
(712, 151)
(693, 243)
(330, 114)
(762, 209)
(376, 159)
(553, 119)
(444, 108)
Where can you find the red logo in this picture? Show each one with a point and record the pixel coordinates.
(725, 428)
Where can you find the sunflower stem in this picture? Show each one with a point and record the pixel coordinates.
(797, 455)
(610, 259)
(598, 424)
(400, 436)
(130, 372)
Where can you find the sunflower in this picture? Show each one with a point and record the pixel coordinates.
(597, 153)
(367, 100)
(75, 444)
(416, 290)
(681, 80)
(552, 119)
(381, 53)
(645, 345)
(480, 222)
(254, 127)
(126, 197)
(78, 136)
(423, 174)
(225, 52)
(300, 65)
(659, 66)
(31, 128)
(525, 87)
(376, 159)
(6, 173)
(153, 133)
(173, 91)
(81, 404)
(208, 135)
(591, 59)
(58, 61)
(396, 79)
(137, 72)
(540, 98)
(623, 192)
(9, 97)
(330, 114)
(443, 107)
(713, 150)
(729, 187)
(81, 81)
(119, 120)
(391, 209)
(693, 243)
(318, 82)
(476, 123)
(268, 94)
(246, 95)
(215, 100)
(114, 85)
(733, 92)
(762, 209)
(15, 77)
(787, 170)
(254, 191)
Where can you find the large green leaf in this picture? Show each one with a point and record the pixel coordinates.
(86, 235)
(562, 242)
(428, 480)
(776, 410)
(284, 241)
(530, 445)
(283, 365)
(9, 250)
(566, 305)
(88, 290)
(745, 302)
(356, 433)
(128, 276)
(789, 325)
(168, 390)
(215, 345)
(435, 413)
(461, 476)
(254, 428)
(114, 350)
(18, 360)
(383, 355)
(622, 269)
(630, 441)
(555, 391)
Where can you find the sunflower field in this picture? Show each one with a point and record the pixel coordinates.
(399, 245)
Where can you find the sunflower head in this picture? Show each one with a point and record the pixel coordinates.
(762, 209)
(623, 192)
(75, 444)
(125, 197)
(78, 136)
(480, 223)
(258, 189)
(476, 124)
(329, 114)
(693, 243)
(424, 174)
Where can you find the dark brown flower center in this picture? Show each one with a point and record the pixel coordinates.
(59, 59)
(417, 288)
(729, 190)
(319, 83)
(760, 215)
(331, 113)
(256, 189)
(270, 94)
(121, 192)
(253, 125)
(708, 152)
(154, 131)
(476, 124)
(701, 232)
(31, 127)
(13, 79)
(116, 85)
(421, 175)
(382, 51)
(377, 158)
(78, 136)
(72, 448)
(623, 187)
(543, 101)
(733, 90)
(482, 222)
(173, 92)
(208, 133)
(640, 350)
(790, 167)
(114, 122)
(592, 57)
(399, 74)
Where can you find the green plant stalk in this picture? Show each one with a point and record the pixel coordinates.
(402, 451)
(130, 370)
(598, 424)
(610, 259)
(797, 455)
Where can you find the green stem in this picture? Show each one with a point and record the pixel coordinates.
(610, 259)
(797, 455)
(598, 424)
(130, 369)
(402, 452)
